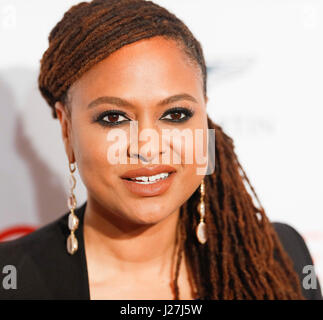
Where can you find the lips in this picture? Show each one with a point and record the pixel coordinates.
(149, 189)
(147, 171)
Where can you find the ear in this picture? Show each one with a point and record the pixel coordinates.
(65, 121)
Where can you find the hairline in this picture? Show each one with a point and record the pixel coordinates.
(66, 99)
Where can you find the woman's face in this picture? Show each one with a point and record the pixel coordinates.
(139, 77)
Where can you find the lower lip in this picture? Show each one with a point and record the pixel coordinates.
(150, 190)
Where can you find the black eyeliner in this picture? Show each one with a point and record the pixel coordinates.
(99, 118)
(187, 111)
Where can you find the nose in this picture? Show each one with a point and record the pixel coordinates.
(145, 141)
(139, 156)
(146, 153)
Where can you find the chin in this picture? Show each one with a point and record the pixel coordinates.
(146, 215)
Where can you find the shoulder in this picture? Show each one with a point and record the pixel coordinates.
(35, 262)
(296, 248)
(44, 269)
(34, 243)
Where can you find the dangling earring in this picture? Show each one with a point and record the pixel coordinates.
(201, 228)
(73, 221)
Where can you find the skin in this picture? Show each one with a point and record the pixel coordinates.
(133, 235)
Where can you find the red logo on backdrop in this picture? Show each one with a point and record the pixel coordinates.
(15, 232)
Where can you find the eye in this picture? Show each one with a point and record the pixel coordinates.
(112, 118)
(177, 114)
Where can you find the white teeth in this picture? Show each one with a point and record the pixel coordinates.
(151, 179)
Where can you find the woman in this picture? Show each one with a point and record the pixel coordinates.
(147, 230)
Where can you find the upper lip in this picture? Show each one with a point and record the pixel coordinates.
(148, 171)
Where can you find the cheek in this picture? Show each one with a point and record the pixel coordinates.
(191, 145)
(90, 147)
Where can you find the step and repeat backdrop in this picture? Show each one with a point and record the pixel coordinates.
(265, 72)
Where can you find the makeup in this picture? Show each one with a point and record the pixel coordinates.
(149, 181)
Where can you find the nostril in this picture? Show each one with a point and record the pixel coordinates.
(137, 155)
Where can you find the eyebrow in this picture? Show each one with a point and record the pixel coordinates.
(124, 103)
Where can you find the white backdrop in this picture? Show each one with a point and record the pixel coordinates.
(265, 89)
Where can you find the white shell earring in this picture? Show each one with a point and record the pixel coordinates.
(201, 228)
(73, 221)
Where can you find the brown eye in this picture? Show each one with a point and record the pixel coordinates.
(175, 115)
(114, 118)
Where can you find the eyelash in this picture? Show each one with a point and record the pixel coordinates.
(188, 112)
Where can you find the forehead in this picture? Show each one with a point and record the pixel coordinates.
(157, 66)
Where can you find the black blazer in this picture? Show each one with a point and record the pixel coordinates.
(46, 271)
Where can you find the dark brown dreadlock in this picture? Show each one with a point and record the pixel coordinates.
(243, 257)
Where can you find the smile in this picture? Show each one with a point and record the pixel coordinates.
(149, 186)
(150, 179)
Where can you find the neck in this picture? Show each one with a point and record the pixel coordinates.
(127, 247)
